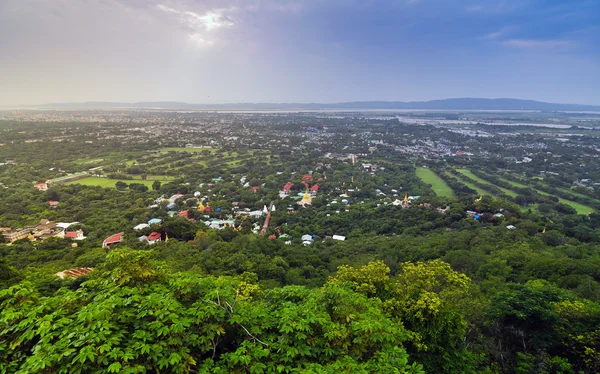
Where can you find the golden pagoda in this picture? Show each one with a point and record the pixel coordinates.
(201, 207)
(306, 199)
(405, 201)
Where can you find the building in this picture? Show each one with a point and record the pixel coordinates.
(74, 235)
(306, 199)
(12, 235)
(44, 230)
(153, 238)
(42, 186)
(112, 240)
(141, 226)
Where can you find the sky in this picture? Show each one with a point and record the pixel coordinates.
(327, 51)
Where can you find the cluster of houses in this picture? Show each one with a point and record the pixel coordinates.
(46, 229)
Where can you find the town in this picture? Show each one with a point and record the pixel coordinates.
(288, 198)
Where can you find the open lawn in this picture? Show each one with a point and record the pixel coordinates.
(580, 208)
(438, 185)
(479, 190)
(162, 178)
(189, 150)
(107, 182)
(469, 173)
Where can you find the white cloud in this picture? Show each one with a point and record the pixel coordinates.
(496, 6)
(533, 43)
(200, 26)
(497, 34)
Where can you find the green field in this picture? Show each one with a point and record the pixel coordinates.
(479, 190)
(162, 178)
(189, 150)
(580, 208)
(438, 185)
(468, 173)
(106, 182)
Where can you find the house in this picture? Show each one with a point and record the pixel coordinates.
(338, 237)
(42, 186)
(66, 225)
(53, 204)
(511, 227)
(306, 237)
(11, 235)
(155, 221)
(307, 178)
(256, 213)
(113, 239)
(154, 237)
(141, 226)
(74, 235)
(175, 197)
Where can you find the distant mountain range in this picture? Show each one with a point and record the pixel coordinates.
(445, 104)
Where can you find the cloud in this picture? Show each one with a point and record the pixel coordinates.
(497, 34)
(200, 25)
(532, 43)
(496, 6)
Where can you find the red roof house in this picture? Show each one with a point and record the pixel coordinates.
(307, 178)
(154, 237)
(315, 188)
(74, 234)
(288, 186)
(113, 239)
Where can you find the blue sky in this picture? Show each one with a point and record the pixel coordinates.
(298, 51)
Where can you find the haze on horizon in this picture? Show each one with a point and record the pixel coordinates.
(226, 51)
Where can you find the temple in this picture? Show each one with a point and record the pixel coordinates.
(306, 199)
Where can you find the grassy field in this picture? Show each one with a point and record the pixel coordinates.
(469, 173)
(189, 150)
(580, 208)
(106, 182)
(479, 190)
(162, 178)
(439, 186)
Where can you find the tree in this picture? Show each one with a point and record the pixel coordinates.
(140, 187)
(156, 185)
(121, 186)
(134, 316)
(430, 299)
